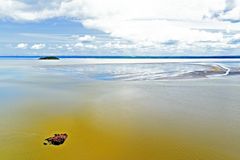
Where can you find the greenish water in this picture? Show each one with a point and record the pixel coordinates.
(115, 119)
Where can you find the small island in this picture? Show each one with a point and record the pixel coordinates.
(49, 58)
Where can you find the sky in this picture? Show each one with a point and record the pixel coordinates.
(120, 27)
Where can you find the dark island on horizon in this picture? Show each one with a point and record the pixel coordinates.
(49, 58)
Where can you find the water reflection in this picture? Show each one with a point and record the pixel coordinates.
(172, 120)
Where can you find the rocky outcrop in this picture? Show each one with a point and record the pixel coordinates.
(56, 140)
(49, 58)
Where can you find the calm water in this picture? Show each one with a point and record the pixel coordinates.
(119, 111)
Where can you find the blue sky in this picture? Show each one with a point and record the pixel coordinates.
(136, 27)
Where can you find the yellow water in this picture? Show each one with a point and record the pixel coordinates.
(123, 122)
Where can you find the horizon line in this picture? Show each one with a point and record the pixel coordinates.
(126, 57)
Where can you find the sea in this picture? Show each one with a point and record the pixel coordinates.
(120, 107)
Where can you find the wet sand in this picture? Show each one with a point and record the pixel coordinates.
(125, 120)
(119, 120)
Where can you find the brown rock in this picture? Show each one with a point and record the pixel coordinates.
(57, 139)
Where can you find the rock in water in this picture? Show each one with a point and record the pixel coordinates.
(49, 58)
(56, 140)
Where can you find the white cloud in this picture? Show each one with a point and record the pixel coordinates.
(124, 9)
(78, 45)
(38, 46)
(119, 45)
(230, 12)
(84, 46)
(22, 46)
(235, 39)
(153, 31)
(85, 38)
(139, 21)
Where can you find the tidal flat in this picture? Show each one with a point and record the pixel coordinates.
(117, 119)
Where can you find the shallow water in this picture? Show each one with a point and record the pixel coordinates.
(116, 118)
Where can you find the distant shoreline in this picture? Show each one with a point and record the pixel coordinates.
(126, 57)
